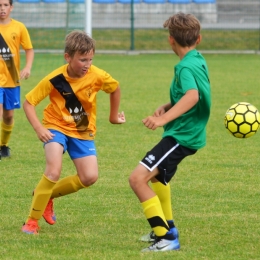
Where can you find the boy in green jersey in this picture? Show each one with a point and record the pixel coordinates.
(184, 119)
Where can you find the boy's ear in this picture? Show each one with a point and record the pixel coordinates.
(171, 40)
(67, 57)
(199, 39)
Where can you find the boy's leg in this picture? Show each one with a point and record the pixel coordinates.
(6, 131)
(161, 164)
(43, 191)
(152, 209)
(10, 101)
(83, 154)
(154, 214)
(42, 194)
(67, 186)
(164, 194)
(63, 187)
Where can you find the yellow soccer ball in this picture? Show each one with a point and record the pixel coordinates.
(242, 120)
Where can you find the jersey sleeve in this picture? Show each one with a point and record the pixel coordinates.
(109, 83)
(25, 38)
(187, 80)
(40, 92)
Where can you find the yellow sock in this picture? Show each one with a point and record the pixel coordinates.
(6, 131)
(42, 194)
(154, 214)
(66, 186)
(164, 194)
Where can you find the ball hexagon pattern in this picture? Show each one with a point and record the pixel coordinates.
(242, 120)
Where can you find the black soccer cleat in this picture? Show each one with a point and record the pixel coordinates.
(5, 151)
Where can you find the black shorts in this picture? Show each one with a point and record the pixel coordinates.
(165, 156)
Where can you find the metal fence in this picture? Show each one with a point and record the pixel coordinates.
(141, 14)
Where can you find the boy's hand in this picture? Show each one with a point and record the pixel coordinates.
(159, 111)
(25, 73)
(44, 134)
(152, 122)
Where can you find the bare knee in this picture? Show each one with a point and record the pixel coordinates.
(88, 180)
(52, 175)
(8, 118)
(132, 181)
(136, 181)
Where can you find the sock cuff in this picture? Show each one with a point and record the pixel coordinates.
(156, 186)
(150, 202)
(77, 179)
(7, 127)
(47, 179)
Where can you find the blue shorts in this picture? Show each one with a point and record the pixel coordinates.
(76, 148)
(10, 98)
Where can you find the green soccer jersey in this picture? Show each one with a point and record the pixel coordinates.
(189, 129)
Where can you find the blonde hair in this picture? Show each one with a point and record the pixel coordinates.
(184, 28)
(78, 41)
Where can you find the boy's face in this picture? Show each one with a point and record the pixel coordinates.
(79, 64)
(5, 9)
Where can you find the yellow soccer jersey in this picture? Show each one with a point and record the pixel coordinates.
(72, 107)
(12, 35)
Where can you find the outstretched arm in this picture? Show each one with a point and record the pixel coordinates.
(26, 71)
(43, 134)
(116, 117)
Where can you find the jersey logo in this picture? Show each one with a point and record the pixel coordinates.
(64, 93)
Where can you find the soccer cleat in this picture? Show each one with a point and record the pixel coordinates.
(161, 244)
(151, 237)
(148, 237)
(31, 227)
(5, 151)
(49, 214)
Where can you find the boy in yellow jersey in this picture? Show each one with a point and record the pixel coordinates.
(184, 119)
(13, 34)
(69, 124)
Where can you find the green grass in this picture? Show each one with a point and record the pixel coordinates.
(149, 39)
(215, 193)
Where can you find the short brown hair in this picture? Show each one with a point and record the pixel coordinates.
(184, 28)
(78, 41)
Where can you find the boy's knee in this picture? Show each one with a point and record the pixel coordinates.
(8, 119)
(52, 175)
(89, 180)
(133, 181)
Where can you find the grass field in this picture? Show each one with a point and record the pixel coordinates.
(216, 192)
(149, 39)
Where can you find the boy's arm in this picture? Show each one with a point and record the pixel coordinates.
(26, 71)
(43, 134)
(162, 109)
(115, 117)
(189, 100)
